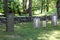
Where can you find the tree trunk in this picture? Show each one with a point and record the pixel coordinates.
(24, 5)
(58, 8)
(42, 6)
(30, 8)
(47, 9)
(9, 17)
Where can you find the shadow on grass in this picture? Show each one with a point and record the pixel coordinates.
(26, 31)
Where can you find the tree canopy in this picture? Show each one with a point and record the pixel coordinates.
(41, 5)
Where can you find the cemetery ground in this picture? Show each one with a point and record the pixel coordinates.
(26, 31)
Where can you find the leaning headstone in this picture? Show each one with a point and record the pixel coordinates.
(54, 20)
(36, 22)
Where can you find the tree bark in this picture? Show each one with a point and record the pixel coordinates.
(30, 8)
(47, 9)
(24, 5)
(41, 6)
(58, 8)
(9, 17)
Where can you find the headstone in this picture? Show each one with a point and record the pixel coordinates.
(54, 19)
(36, 22)
(10, 22)
(44, 23)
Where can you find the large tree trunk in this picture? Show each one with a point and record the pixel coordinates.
(47, 9)
(58, 8)
(9, 17)
(30, 7)
(24, 5)
(42, 6)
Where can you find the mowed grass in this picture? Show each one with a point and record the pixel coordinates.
(27, 31)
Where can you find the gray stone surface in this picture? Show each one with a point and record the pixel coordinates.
(10, 22)
(44, 23)
(54, 20)
(36, 22)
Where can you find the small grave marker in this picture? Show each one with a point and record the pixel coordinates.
(44, 23)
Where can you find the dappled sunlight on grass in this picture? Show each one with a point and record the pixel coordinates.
(52, 35)
(39, 14)
(49, 22)
(30, 33)
(49, 13)
(26, 31)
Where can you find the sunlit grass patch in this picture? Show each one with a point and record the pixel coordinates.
(26, 31)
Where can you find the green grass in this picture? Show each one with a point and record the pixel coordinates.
(26, 31)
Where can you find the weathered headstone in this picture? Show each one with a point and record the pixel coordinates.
(36, 22)
(10, 22)
(44, 23)
(54, 20)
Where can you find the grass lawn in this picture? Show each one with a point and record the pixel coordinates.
(26, 31)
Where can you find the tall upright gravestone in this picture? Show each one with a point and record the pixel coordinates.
(54, 19)
(36, 22)
(10, 22)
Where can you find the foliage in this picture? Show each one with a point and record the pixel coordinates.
(40, 5)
